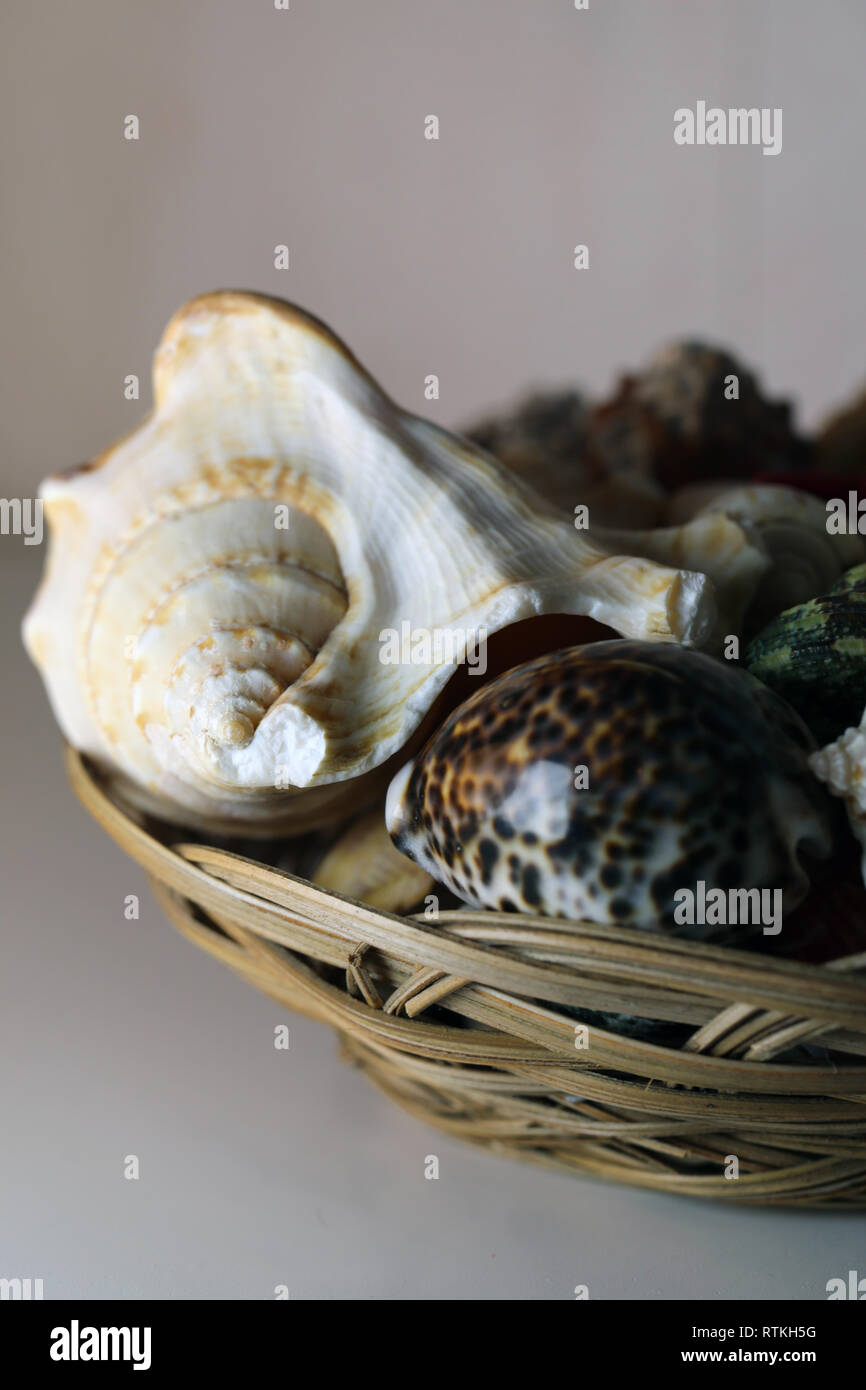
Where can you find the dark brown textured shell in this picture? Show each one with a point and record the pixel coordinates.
(666, 426)
(841, 442)
(695, 772)
(542, 439)
(673, 422)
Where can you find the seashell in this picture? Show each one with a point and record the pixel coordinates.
(790, 526)
(840, 446)
(851, 581)
(674, 423)
(722, 549)
(671, 424)
(540, 440)
(543, 441)
(598, 782)
(364, 864)
(814, 656)
(842, 765)
(210, 626)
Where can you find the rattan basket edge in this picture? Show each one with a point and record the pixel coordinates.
(464, 1022)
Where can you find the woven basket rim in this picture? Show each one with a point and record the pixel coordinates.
(501, 1066)
(185, 864)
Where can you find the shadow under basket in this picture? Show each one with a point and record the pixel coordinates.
(468, 1022)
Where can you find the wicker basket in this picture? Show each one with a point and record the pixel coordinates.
(465, 1022)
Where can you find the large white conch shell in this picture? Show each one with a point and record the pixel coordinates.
(225, 586)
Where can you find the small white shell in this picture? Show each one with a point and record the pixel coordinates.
(842, 765)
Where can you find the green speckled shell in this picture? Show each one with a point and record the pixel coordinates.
(814, 656)
(851, 579)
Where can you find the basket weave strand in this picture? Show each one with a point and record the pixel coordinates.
(464, 1022)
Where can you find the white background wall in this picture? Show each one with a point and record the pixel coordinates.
(306, 127)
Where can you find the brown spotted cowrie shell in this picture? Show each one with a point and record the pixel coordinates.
(694, 772)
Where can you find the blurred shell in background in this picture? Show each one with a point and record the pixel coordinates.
(671, 424)
(364, 864)
(790, 526)
(841, 442)
(544, 441)
(676, 423)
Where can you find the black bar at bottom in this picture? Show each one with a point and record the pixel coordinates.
(158, 1339)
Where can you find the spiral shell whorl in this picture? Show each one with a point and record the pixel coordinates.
(223, 686)
(239, 615)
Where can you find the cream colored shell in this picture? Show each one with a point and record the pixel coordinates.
(222, 584)
(789, 527)
(365, 864)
